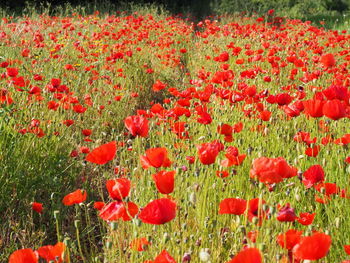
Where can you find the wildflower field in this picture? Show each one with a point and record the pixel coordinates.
(148, 138)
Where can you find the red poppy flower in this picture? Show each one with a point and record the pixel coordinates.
(159, 211)
(328, 60)
(139, 244)
(159, 86)
(313, 107)
(255, 209)
(52, 253)
(179, 128)
(75, 197)
(328, 188)
(86, 132)
(102, 154)
(312, 247)
(347, 160)
(289, 239)
(68, 122)
(265, 115)
(271, 170)
(253, 235)
(137, 125)
(99, 205)
(233, 157)
(119, 210)
(118, 188)
(304, 137)
(164, 181)
(203, 116)
(223, 57)
(164, 257)
(26, 255)
(222, 174)
(79, 108)
(248, 255)
(37, 207)
(286, 214)
(12, 72)
(291, 110)
(336, 92)
(334, 109)
(238, 127)
(155, 157)
(306, 218)
(190, 159)
(235, 206)
(347, 249)
(312, 151)
(207, 152)
(225, 129)
(84, 149)
(313, 175)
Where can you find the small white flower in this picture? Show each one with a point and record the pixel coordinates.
(204, 255)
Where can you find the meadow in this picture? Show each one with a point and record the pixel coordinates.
(146, 137)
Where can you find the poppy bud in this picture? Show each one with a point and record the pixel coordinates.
(67, 242)
(109, 245)
(56, 213)
(114, 225)
(186, 258)
(337, 222)
(76, 223)
(166, 237)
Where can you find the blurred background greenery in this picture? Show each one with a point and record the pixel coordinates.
(333, 12)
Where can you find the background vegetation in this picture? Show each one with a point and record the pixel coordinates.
(330, 11)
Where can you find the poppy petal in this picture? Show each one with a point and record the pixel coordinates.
(102, 154)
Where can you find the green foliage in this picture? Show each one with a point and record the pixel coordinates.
(290, 8)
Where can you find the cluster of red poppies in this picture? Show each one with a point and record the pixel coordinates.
(237, 81)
